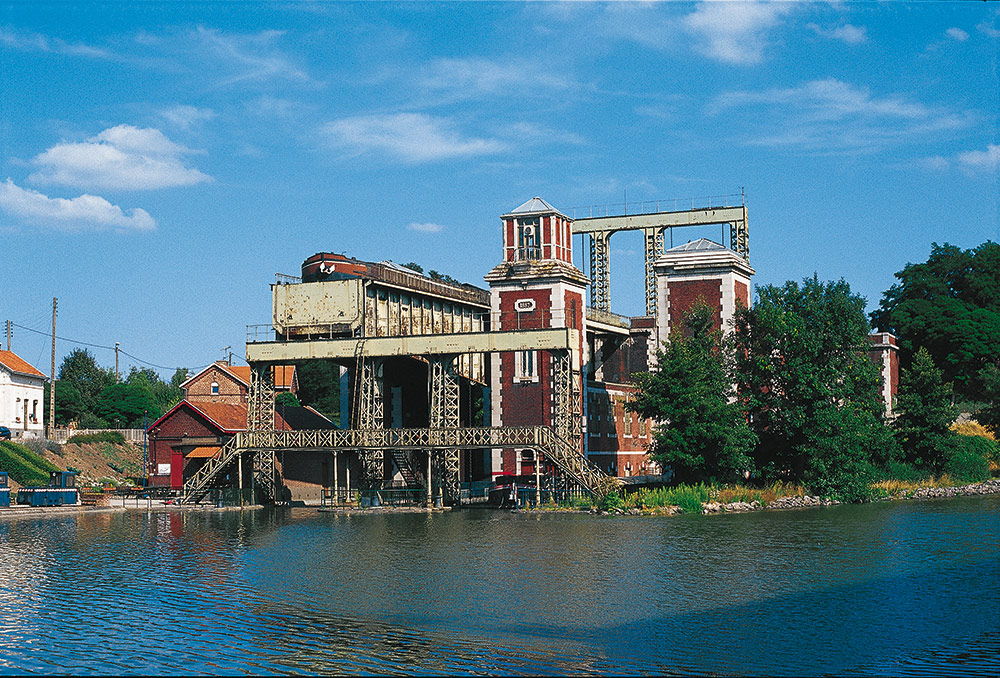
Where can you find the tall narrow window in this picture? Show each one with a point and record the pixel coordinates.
(526, 366)
(215, 388)
(528, 239)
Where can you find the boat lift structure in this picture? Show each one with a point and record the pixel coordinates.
(368, 317)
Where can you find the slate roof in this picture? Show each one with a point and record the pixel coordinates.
(534, 206)
(16, 363)
(699, 245)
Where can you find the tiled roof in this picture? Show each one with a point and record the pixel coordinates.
(16, 363)
(227, 417)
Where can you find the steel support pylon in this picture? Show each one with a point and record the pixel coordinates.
(600, 271)
(739, 236)
(444, 413)
(260, 417)
(653, 245)
(566, 398)
(370, 416)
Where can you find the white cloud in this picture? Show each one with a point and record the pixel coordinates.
(122, 157)
(185, 117)
(833, 116)
(413, 137)
(425, 228)
(478, 77)
(35, 42)
(957, 34)
(848, 33)
(85, 212)
(249, 57)
(981, 160)
(988, 29)
(735, 32)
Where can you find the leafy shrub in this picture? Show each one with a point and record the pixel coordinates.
(611, 502)
(100, 437)
(901, 471)
(967, 459)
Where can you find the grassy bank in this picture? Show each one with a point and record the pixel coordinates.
(24, 466)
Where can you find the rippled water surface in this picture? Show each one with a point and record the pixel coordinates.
(885, 589)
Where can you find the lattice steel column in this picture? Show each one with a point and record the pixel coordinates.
(653, 242)
(565, 397)
(371, 416)
(444, 413)
(260, 417)
(600, 271)
(739, 236)
(260, 406)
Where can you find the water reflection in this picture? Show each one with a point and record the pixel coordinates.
(881, 589)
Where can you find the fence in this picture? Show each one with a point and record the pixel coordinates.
(131, 435)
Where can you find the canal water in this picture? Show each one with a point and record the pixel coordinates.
(903, 588)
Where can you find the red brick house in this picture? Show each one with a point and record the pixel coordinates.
(224, 383)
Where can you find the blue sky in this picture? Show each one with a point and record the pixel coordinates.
(162, 161)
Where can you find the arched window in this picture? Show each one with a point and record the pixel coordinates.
(215, 388)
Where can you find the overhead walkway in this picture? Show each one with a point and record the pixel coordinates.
(542, 439)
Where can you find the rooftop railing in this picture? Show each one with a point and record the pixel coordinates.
(621, 209)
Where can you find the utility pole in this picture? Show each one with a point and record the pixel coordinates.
(10, 331)
(116, 362)
(52, 378)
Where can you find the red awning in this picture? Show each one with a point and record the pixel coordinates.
(202, 452)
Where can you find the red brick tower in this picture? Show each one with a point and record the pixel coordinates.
(535, 287)
(700, 269)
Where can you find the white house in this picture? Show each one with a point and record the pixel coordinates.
(22, 391)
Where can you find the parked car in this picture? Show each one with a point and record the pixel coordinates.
(5, 433)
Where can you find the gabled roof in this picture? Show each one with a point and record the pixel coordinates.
(226, 417)
(534, 206)
(283, 374)
(699, 245)
(16, 363)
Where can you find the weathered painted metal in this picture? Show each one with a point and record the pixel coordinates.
(435, 344)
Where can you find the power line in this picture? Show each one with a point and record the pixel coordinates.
(109, 348)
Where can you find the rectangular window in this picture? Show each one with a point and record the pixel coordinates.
(526, 366)
(628, 421)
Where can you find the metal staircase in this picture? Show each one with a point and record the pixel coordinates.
(199, 484)
(404, 462)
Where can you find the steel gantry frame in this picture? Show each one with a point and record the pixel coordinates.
(370, 411)
(653, 225)
(444, 414)
(260, 416)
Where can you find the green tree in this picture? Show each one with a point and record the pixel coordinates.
(989, 412)
(924, 412)
(413, 266)
(702, 434)
(180, 376)
(319, 386)
(949, 304)
(165, 395)
(80, 369)
(286, 399)
(124, 405)
(800, 363)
